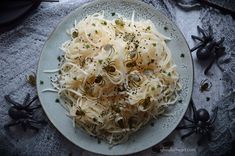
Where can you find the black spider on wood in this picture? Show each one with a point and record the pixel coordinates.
(201, 123)
(208, 47)
(22, 114)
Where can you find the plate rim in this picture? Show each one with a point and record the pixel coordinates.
(57, 27)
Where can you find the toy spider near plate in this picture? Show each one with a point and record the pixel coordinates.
(208, 47)
(22, 114)
(201, 124)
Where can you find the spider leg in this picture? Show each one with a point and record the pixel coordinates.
(186, 126)
(200, 30)
(210, 31)
(8, 99)
(212, 120)
(26, 99)
(186, 118)
(209, 66)
(197, 38)
(43, 122)
(200, 140)
(35, 98)
(197, 47)
(31, 126)
(188, 134)
(220, 41)
(209, 136)
(36, 107)
(194, 110)
(218, 65)
(7, 126)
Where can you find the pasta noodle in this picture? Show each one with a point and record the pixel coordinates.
(116, 76)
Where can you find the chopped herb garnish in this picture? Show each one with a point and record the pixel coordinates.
(182, 55)
(113, 13)
(74, 34)
(93, 24)
(100, 61)
(169, 74)
(31, 79)
(41, 82)
(87, 46)
(57, 100)
(89, 34)
(59, 71)
(158, 86)
(207, 98)
(119, 22)
(154, 44)
(104, 23)
(74, 78)
(148, 28)
(96, 31)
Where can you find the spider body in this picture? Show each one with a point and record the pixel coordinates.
(15, 113)
(208, 47)
(22, 114)
(202, 123)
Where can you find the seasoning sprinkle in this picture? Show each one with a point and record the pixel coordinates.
(87, 46)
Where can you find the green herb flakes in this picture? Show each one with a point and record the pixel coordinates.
(100, 61)
(104, 23)
(87, 46)
(31, 79)
(119, 22)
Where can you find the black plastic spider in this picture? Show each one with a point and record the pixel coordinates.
(22, 114)
(201, 123)
(208, 47)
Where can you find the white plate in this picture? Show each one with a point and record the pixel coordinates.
(148, 135)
